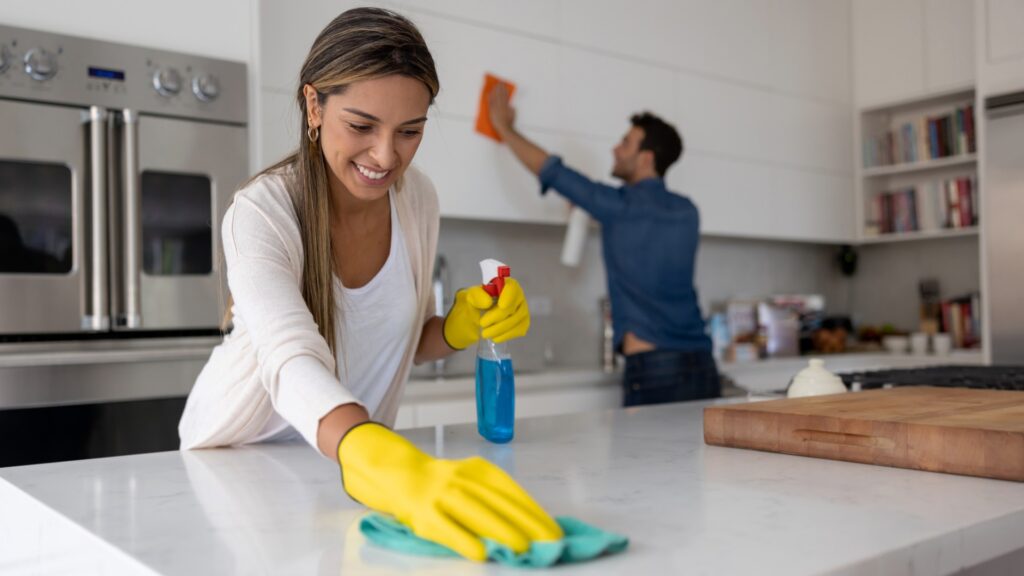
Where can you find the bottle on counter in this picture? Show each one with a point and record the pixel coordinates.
(495, 380)
(608, 360)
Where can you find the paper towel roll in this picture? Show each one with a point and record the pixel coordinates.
(575, 237)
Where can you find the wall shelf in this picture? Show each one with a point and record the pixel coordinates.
(920, 235)
(907, 168)
(923, 175)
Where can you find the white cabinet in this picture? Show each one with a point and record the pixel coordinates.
(949, 44)
(477, 178)
(888, 50)
(759, 91)
(905, 49)
(1001, 45)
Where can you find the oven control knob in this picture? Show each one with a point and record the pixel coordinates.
(167, 81)
(5, 58)
(206, 87)
(40, 64)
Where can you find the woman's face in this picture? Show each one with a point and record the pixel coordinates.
(370, 132)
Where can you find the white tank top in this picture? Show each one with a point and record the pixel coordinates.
(371, 331)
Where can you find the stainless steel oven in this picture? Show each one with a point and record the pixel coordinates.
(116, 165)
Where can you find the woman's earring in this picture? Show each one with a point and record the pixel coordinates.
(313, 133)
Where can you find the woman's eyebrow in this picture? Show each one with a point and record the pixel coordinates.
(375, 119)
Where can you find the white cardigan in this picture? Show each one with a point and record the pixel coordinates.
(242, 383)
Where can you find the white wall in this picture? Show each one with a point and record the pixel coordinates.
(215, 29)
(218, 29)
(760, 92)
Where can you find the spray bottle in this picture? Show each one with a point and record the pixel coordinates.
(495, 382)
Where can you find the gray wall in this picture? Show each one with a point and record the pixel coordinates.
(884, 289)
(569, 333)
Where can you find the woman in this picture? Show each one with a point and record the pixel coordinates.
(329, 256)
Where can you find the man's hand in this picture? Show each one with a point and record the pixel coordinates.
(503, 118)
(503, 115)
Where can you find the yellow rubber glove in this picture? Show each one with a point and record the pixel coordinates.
(451, 502)
(462, 324)
(509, 319)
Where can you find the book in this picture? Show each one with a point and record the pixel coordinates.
(961, 319)
(931, 205)
(923, 138)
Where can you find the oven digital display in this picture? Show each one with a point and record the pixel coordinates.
(106, 73)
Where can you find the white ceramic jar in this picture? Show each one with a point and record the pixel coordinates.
(815, 380)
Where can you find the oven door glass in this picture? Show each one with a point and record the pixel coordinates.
(35, 218)
(177, 224)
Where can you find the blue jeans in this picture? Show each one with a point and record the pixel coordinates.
(661, 376)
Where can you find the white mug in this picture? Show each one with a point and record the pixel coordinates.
(919, 343)
(942, 343)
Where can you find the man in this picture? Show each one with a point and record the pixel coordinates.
(650, 238)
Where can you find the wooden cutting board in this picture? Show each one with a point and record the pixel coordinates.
(954, 430)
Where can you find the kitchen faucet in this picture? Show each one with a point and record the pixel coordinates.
(441, 287)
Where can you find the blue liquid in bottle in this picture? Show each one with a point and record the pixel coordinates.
(495, 396)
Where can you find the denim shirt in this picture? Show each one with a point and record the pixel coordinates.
(649, 238)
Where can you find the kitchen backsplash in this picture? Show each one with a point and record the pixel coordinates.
(566, 329)
(885, 288)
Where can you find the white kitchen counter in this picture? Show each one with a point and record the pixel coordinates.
(645, 472)
(773, 375)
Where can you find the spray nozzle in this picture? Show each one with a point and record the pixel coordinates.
(494, 274)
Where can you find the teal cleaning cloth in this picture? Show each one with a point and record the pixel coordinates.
(581, 542)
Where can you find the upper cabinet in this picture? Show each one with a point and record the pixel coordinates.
(759, 91)
(906, 49)
(1000, 55)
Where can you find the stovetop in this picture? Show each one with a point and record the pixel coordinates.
(989, 377)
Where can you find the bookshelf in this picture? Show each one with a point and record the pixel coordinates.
(917, 166)
(920, 166)
(920, 235)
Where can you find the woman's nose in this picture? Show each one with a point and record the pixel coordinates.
(383, 152)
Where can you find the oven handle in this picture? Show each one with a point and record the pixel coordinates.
(98, 316)
(132, 216)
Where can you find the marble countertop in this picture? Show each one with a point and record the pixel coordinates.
(773, 375)
(688, 508)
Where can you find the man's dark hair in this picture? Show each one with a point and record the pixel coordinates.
(659, 137)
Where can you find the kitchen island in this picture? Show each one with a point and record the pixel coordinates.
(688, 508)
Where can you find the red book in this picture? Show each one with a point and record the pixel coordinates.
(967, 315)
(964, 202)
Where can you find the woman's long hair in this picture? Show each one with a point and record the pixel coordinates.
(360, 44)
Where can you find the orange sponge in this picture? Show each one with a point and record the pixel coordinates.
(483, 116)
